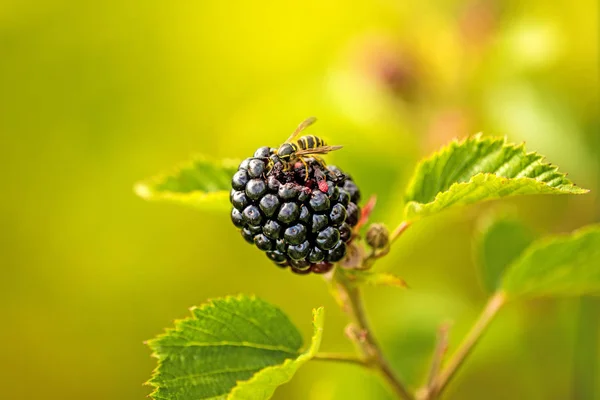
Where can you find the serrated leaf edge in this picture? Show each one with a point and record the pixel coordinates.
(207, 304)
(454, 143)
(411, 207)
(144, 188)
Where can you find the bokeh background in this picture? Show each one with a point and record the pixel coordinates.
(97, 95)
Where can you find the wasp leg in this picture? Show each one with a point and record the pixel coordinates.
(321, 162)
(305, 168)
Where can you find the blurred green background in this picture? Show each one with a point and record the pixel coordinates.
(97, 95)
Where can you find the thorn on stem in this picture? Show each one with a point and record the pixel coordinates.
(351, 332)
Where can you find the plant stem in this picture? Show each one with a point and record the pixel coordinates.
(439, 353)
(341, 358)
(404, 225)
(351, 298)
(441, 381)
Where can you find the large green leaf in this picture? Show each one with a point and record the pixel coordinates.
(263, 383)
(498, 243)
(201, 183)
(560, 265)
(478, 169)
(232, 348)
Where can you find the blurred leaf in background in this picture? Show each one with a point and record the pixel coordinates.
(500, 240)
(96, 96)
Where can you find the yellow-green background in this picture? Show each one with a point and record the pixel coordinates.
(97, 95)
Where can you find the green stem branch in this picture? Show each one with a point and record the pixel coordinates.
(439, 353)
(352, 304)
(489, 312)
(404, 225)
(340, 358)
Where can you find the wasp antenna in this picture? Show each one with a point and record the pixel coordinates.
(303, 125)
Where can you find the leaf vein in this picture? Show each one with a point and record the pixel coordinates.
(224, 343)
(197, 329)
(225, 324)
(211, 373)
(248, 320)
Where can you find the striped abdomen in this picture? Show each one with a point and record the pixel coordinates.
(310, 142)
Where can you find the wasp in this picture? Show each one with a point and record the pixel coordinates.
(306, 146)
(295, 150)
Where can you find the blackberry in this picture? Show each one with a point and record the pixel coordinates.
(301, 221)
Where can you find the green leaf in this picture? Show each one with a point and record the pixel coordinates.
(560, 265)
(500, 241)
(479, 169)
(263, 384)
(201, 183)
(232, 348)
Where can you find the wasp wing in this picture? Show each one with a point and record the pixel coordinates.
(318, 150)
(303, 125)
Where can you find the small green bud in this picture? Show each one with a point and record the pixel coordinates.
(378, 236)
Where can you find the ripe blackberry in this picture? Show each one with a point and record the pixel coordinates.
(301, 215)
